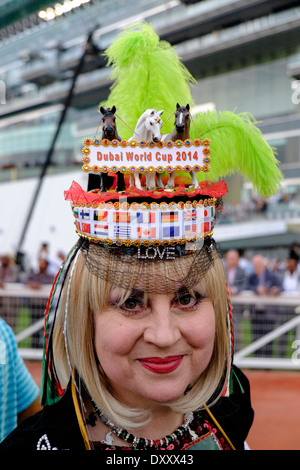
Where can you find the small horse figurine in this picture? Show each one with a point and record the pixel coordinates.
(181, 131)
(109, 132)
(147, 128)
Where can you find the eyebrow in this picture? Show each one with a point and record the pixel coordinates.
(120, 297)
(181, 290)
(141, 294)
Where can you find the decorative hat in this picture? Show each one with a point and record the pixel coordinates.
(155, 186)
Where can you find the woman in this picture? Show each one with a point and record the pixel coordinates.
(139, 342)
(144, 361)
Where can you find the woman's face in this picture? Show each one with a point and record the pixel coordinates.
(152, 349)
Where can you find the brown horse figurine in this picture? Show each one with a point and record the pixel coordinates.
(181, 131)
(109, 132)
(182, 123)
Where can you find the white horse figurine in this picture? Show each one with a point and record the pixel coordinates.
(147, 128)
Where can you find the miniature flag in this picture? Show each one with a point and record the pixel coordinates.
(189, 214)
(122, 231)
(190, 230)
(146, 232)
(169, 217)
(171, 231)
(100, 215)
(100, 229)
(209, 212)
(145, 217)
(121, 217)
(84, 214)
(86, 228)
(205, 227)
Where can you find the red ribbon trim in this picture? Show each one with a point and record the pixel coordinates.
(206, 188)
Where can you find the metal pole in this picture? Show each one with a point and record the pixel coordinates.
(89, 49)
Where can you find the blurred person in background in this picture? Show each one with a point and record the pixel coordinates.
(291, 276)
(19, 394)
(8, 274)
(236, 275)
(263, 318)
(245, 263)
(37, 305)
(263, 281)
(236, 279)
(8, 270)
(295, 250)
(55, 262)
(43, 251)
(35, 280)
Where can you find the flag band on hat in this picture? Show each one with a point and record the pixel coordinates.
(158, 226)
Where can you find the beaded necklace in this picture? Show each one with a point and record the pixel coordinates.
(143, 442)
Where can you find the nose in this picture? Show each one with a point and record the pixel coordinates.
(155, 139)
(180, 128)
(163, 329)
(109, 130)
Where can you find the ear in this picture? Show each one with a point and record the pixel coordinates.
(160, 112)
(102, 110)
(177, 105)
(113, 109)
(152, 112)
(188, 107)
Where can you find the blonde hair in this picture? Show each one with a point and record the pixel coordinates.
(73, 339)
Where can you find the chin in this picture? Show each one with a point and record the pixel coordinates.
(168, 399)
(165, 396)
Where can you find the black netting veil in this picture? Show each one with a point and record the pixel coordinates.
(150, 274)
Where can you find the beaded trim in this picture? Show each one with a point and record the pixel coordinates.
(143, 442)
(142, 169)
(144, 206)
(133, 143)
(145, 243)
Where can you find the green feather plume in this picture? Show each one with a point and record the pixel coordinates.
(237, 145)
(147, 73)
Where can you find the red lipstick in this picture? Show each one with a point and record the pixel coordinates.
(161, 365)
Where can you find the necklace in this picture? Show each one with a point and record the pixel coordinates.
(143, 442)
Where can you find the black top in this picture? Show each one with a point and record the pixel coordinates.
(56, 426)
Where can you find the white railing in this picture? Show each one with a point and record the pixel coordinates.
(267, 329)
(23, 309)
